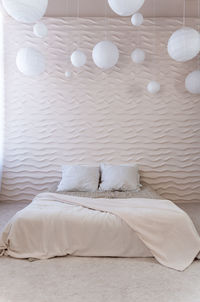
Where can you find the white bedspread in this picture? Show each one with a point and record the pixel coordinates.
(57, 225)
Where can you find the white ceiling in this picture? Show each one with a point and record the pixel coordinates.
(96, 8)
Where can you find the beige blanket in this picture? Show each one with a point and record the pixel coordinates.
(165, 229)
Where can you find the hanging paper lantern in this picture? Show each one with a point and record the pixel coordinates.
(192, 82)
(153, 87)
(105, 54)
(68, 74)
(184, 44)
(138, 56)
(30, 61)
(137, 19)
(125, 7)
(40, 30)
(26, 11)
(78, 58)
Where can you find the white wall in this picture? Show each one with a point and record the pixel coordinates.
(100, 116)
(1, 94)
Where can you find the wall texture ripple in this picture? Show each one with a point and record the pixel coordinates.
(98, 116)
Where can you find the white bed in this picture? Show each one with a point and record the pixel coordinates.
(84, 232)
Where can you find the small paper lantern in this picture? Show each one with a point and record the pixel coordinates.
(68, 74)
(192, 82)
(138, 56)
(30, 61)
(137, 19)
(40, 30)
(105, 54)
(78, 58)
(125, 7)
(153, 87)
(26, 11)
(184, 44)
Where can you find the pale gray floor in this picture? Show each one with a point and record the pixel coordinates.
(72, 279)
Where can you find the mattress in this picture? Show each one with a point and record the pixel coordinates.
(92, 230)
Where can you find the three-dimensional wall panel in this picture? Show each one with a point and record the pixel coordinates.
(100, 116)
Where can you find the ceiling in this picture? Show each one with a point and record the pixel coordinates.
(96, 8)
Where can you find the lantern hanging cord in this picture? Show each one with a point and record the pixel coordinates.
(154, 25)
(106, 19)
(184, 11)
(78, 23)
(198, 28)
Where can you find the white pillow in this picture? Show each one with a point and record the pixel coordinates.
(119, 178)
(79, 178)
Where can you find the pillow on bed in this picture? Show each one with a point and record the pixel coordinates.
(79, 178)
(119, 178)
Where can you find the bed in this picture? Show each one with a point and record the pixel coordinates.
(84, 231)
(192, 209)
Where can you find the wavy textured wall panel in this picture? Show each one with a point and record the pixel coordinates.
(100, 116)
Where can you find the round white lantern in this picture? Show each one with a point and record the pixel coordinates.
(138, 56)
(78, 58)
(40, 30)
(137, 19)
(125, 7)
(26, 11)
(192, 82)
(68, 74)
(105, 54)
(153, 87)
(184, 44)
(30, 61)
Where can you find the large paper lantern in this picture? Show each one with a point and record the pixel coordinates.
(78, 58)
(184, 44)
(125, 7)
(137, 19)
(138, 56)
(192, 82)
(40, 30)
(105, 54)
(153, 87)
(30, 61)
(26, 11)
